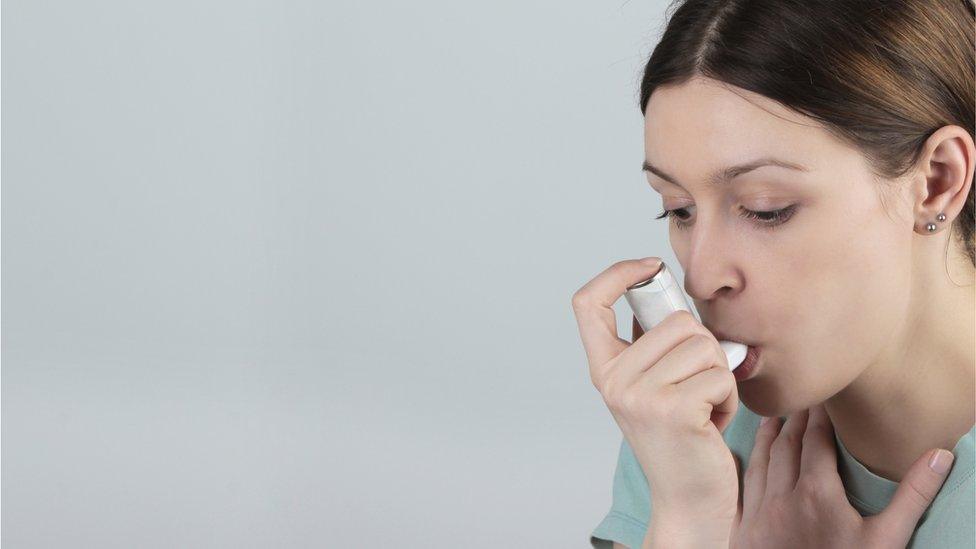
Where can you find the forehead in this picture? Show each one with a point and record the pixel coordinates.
(705, 123)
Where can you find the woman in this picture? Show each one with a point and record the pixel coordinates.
(816, 161)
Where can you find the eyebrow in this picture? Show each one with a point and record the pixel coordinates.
(726, 175)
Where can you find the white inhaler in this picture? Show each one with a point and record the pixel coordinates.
(657, 297)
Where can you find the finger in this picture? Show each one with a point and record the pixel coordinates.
(895, 524)
(715, 388)
(755, 480)
(819, 454)
(681, 348)
(695, 354)
(784, 456)
(666, 350)
(593, 307)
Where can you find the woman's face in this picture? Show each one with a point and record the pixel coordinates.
(824, 289)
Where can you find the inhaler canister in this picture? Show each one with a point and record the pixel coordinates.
(657, 297)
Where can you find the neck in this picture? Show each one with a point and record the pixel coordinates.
(919, 394)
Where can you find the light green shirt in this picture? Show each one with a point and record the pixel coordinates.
(948, 523)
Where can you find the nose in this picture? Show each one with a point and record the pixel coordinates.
(711, 262)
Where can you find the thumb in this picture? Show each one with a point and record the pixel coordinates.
(915, 493)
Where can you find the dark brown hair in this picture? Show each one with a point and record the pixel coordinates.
(880, 75)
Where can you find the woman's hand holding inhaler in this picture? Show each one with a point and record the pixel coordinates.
(672, 394)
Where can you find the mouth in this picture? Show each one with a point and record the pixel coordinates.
(749, 366)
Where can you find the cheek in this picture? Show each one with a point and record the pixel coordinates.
(863, 265)
(849, 278)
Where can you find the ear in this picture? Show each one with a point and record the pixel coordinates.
(945, 167)
(636, 329)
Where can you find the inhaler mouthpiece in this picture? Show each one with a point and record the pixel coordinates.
(657, 297)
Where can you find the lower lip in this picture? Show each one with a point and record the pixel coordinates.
(749, 366)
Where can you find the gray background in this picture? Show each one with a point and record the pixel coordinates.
(285, 274)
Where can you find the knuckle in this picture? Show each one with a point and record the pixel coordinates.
(716, 376)
(752, 473)
(618, 266)
(724, 374)
(813, 432)
(682, 319)
(786, 439)
(779, 445)
(609, 390)
(581, 299)
(730, 383)
(625, 401)
(811, 492)
(918, 493)
(791, 438)
(597, 377)
(634, 405)
(685, 317)
(702, 345)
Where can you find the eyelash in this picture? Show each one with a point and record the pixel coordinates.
(776, 217)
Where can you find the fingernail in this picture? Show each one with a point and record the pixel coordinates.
(941, 460)
(650, 260)
(763, 420)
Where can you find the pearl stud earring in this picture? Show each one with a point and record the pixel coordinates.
(941, 217)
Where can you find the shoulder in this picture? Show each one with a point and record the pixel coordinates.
(948, 522)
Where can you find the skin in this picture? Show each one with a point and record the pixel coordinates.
(853, 303)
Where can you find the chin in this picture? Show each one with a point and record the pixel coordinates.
(764, 398)
(759, 406)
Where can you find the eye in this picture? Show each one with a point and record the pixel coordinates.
(679, 215)
(674, 213)
(765, 219)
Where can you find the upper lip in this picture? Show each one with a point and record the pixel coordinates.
(725, 336)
